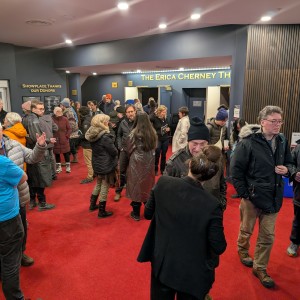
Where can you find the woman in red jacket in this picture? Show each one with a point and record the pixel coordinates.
(62, 135)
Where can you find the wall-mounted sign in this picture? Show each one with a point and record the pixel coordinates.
(74, 92)
(130, 83)
(50, 102)
(41, 88)
(187, 76)
(295, 138)
(236, 112)
(114, 84)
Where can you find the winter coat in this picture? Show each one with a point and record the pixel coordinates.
(108, 107)
(140, 171)
(104, 152)
(124, 129)
(19, 154)
(185, 235)
(215, 132)
(179, 140)
(68, 112)
(62, 136)
(49, 127)
(253, 168)
(177, 166)
(84, 126)
(17, 132)
(160, 125)
(296, 184)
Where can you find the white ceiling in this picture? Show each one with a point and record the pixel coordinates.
(93, 21)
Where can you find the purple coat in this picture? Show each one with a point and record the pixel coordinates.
(62, 135)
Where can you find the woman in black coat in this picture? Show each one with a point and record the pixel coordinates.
(186, 234)
(104, 160)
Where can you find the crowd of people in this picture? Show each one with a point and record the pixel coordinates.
(125, 146)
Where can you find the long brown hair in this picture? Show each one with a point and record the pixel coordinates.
(143, 130)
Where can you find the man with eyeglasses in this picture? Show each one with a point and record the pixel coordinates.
(260, 160)
(39, 174)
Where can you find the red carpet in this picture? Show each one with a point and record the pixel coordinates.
(78, 256)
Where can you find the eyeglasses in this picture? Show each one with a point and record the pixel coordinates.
(279, 122)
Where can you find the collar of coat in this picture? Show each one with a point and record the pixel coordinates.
(95, 133)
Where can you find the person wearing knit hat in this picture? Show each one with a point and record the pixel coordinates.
(177, 166)
(65, 102)
(109, 104)
(217, 128)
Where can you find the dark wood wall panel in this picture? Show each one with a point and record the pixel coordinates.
(272, 75)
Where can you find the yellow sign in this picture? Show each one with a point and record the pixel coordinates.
(130, 83)
(74, 92)
(41, 88)
(187, 76)
(114, 84)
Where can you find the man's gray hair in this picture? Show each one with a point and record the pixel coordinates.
(269, 110)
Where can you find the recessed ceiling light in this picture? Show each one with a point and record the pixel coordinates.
(195, 16)
(138, 71)
(181, 69)
(68, 72)
(68, 42)
(265, 18)
(94, 73)
(162, 26)
(123, 5)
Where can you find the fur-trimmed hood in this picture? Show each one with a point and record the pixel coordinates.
(95, 133)
(249, 129)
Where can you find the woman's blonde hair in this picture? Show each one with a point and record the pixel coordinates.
(99, 119)
(160, 109)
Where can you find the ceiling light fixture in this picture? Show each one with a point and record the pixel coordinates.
(68, 42)
(195, 16)
(181, 69)
(123, 5)
(68, 72)
(162, 26)
(138, 71)
(94, 73)
(265, 18)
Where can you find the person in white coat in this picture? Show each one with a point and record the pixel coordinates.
(179, 140)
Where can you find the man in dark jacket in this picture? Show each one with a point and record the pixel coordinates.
(177, 166)
(260, 160)
(123, 131)
(295, 233)
(39, 174)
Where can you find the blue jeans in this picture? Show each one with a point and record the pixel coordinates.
(160, 152)
(11, 238)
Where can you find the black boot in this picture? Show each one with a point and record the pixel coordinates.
(136, 208)
(93, 201)
(102, 212)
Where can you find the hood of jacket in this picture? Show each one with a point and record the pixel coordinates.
(249, 129)
(95, 133)
(18, 130)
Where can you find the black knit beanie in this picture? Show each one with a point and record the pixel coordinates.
(198, 130)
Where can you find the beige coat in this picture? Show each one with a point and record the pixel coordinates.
(179, 140)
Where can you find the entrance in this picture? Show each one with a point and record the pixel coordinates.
(195, 99)
(4, 94)
(145, 93)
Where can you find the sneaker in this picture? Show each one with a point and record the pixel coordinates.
(86, 180)
(26, 260)
(117, 197)
(245, 259)
(46, 206)
(32, 205)
(292, 250)
(264, 278)
(134, 217)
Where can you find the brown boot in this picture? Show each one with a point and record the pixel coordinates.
(264, 278)
(245, 259)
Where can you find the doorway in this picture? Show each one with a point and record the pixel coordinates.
(5, 95)
(195, 99)
(144, 93)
